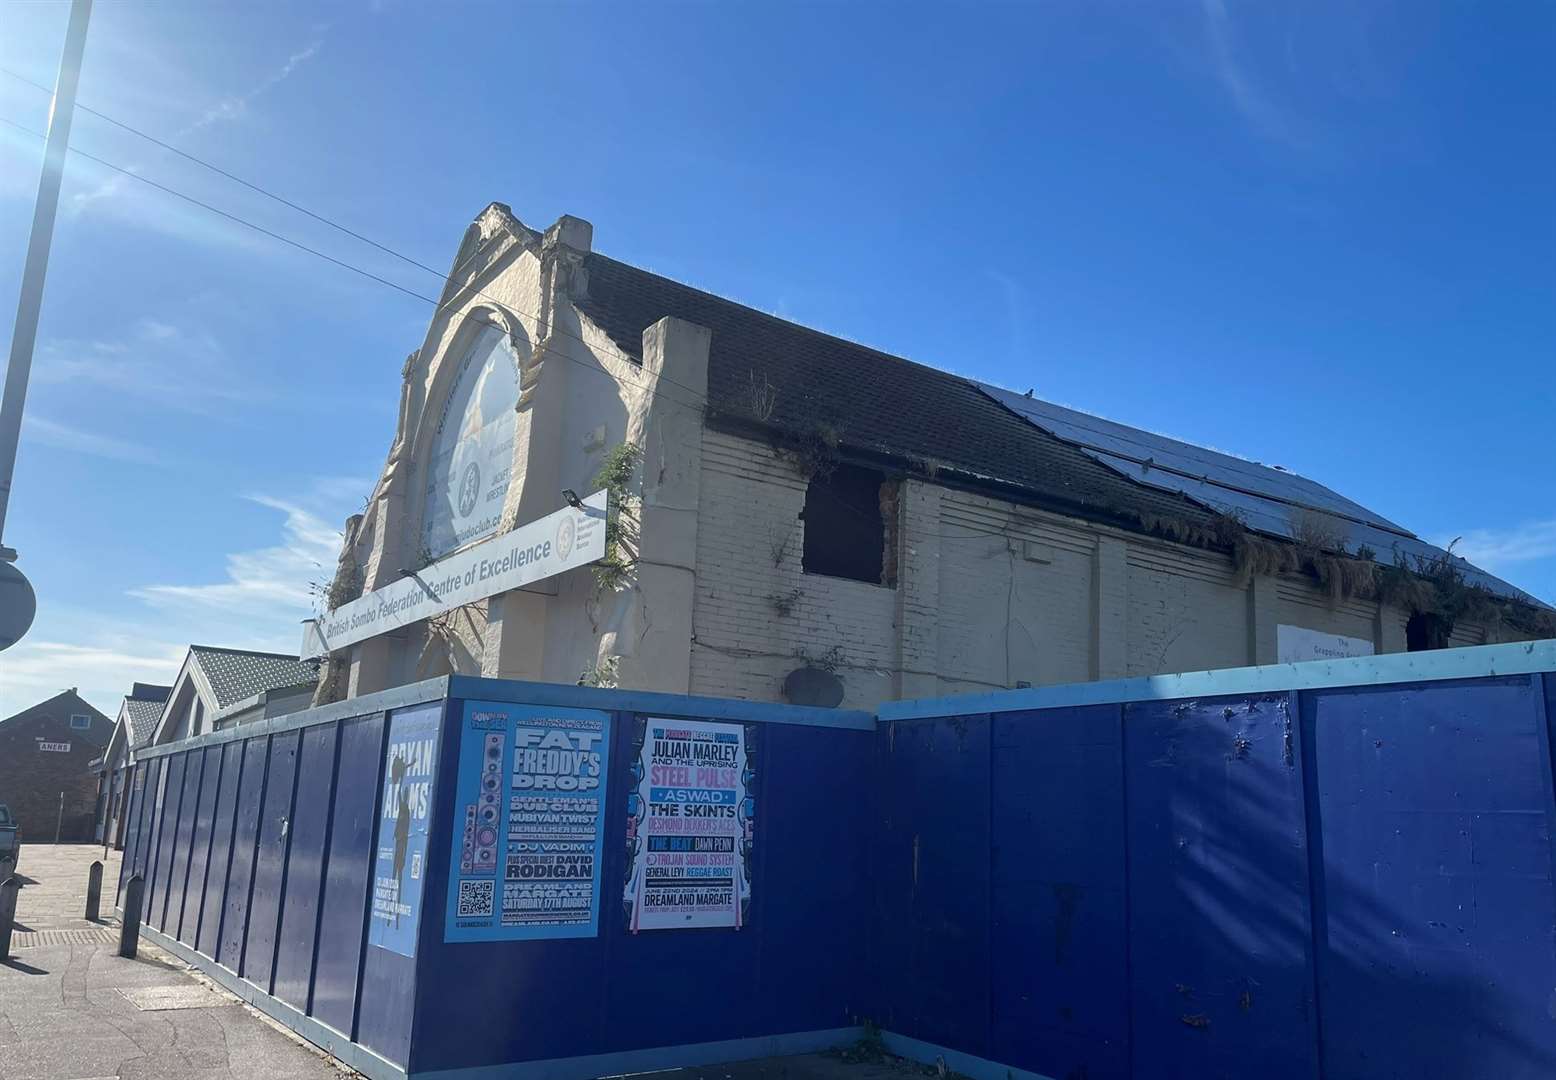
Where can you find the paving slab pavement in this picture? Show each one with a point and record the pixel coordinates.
(68, 1008)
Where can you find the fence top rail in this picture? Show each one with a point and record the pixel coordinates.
(471, 687)
(468, 687)
(398, 697)
(1473, 662)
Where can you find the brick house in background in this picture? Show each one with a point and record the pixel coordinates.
(46, 775)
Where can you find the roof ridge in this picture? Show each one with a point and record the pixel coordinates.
(244, 652)
(811, 330)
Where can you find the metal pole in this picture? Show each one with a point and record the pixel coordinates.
(36, 267)
(129, 927)
(59, 822)
(8, 889)
(94, 891)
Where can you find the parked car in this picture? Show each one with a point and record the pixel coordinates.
(10, 843)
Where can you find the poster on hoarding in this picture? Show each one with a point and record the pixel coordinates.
(690, 821)
(529, 822)
(399, 866)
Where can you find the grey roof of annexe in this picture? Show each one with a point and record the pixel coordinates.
(974, 433)
(238, 674)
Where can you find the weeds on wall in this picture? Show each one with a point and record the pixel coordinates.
(621, 516)
(811, 451)
(602, 674)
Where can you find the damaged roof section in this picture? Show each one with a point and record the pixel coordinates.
(874, 402)
(776, 374)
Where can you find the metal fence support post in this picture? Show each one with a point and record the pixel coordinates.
(94, 890)
(129, 929)
(8, 891)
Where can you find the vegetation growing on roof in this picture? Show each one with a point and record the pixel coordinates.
(811, 451)
(1420, 586)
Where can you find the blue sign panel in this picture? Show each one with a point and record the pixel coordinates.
(529, 820)
(399, 868)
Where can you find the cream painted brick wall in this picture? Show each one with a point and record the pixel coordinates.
(965, 561)
(1186, 613)
(743, 646)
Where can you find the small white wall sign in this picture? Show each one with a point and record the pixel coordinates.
(1294, 644)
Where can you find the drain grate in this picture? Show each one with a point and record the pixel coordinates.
(184, 996)
(29, 938)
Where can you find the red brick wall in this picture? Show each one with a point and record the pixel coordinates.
(32, 779)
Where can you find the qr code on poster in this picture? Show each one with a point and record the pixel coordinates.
(475, 899)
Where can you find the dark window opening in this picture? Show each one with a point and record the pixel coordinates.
(851, 526)
(1425, 630)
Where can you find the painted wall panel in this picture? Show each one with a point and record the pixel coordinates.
(173, 910)
(1438, 935)
(1219, 937)
(172, 790)
(304, 878)
(349, 872)
(270, 860)
(934, 973)
(1058, 907)
(200, 846)
(240, 870)
(212, 905)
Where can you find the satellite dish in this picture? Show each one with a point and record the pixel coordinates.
(18, 605)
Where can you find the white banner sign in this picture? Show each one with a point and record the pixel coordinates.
(56, 747)
(561, 541)
(1294, 644)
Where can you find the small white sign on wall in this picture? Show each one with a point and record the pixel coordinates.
(1294, 644)
(55, 747)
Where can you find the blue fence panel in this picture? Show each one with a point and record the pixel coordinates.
(1437, 956)
(389, 978)
(348, 872)
(812, 970)
(225, 820)
(1220, 940)
(270, 860)
(1059, 966)
(139, 811)
(171, 789)
(240, 869)
(304, 876)
(173, 907)
(200, 847)
(935, 958)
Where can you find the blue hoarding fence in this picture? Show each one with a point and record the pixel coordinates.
(1339, 869)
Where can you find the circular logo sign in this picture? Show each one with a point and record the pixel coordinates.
(469, 489)
(566, 535)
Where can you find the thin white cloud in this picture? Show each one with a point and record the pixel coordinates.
(1493, 549)
(226, 109)
(1248, 96)
(101, 671)
(258, 604)
(178, 367)
(46, 432)
(265, 583)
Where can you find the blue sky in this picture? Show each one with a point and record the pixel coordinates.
(1322, 236)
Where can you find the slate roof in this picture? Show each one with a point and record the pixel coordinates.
(142, 715)
(878, 403)
(237, 675)
(881, 404)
